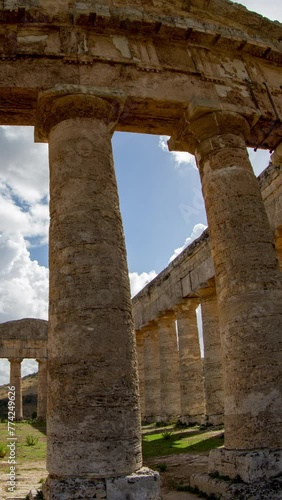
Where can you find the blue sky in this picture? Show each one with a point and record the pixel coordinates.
(161, 205)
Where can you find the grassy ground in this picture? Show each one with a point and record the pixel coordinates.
(168, 440)
(172, 440)
(23, 430)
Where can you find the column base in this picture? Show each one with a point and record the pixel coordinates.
(249, 466)
(214, 487)
(143, 484)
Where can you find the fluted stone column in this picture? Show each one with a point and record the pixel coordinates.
(42, 389)
(169, 368)
(152, 380)
(213, 370)
(191, 369)
(94, 434)
(140, 359)
(249, 289)
(16, 381)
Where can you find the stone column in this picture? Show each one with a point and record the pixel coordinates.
(169, 368)
(191, 368)
(140, 359)
(276, 159)
(42, 389)
(249, 289)
(213, 371)
(94, 434)
(16, 381)
(152, 381)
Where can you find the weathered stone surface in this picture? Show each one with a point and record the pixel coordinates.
(169, 369)
(213, 369)
(141, 485)
(152, 377)
(16, 382)
(209, 73)
(93, 407)
(250, 466)
(24, 338)
(228, 490)
(191, 369)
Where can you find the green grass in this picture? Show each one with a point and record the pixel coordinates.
(25, 453)
(181, 441)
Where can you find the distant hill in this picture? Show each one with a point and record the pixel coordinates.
(29, 389)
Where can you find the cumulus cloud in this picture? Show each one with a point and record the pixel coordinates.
(24, 164)
(23, 282)
(197, 231)
(181, 159)
(138, 281)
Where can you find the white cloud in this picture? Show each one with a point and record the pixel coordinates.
(181, 159)
(23, 282)
(197, 231)
(138, 281)
(24, 164)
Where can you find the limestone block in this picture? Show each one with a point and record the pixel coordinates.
(250, 466)
(141, 485)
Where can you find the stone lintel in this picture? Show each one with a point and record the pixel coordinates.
(143, 484)
(249, 466)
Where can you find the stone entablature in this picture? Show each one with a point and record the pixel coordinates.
(24, 338)
(193, 269)
(189, 58)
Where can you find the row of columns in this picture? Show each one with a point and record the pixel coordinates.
(16, 381)
(93, 405)
(175, 382)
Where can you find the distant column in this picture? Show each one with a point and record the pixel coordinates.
(42, 389)
(191, 367)
(140, 359)
(169, 368)
(152, 394)
(213, 371)
(276, 159)
(16, 381)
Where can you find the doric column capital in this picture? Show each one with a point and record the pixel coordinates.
(57, 105)
(201, 132)
(166, 319)
(41, 361)
(15, 360)
(190, 305)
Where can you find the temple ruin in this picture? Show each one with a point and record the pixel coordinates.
(207, 73)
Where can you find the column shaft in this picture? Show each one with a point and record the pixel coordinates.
(152, 381)
(93, 404)
(169, 369)
(191, 368)
(213, 370)
(42, 389)
(248, 284)
(16, 381)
